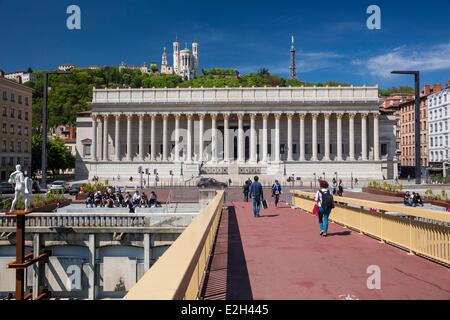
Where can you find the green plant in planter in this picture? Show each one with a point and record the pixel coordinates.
(6, 203)
(444, 195)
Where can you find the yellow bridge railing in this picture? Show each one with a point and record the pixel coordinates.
(421, 231)
(179, 272)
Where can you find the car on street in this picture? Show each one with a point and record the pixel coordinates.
(211, 183)
(75, 189)
(60, 186)
(6, 187)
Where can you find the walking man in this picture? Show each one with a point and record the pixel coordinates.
(325, 202)
(256, 193)
(246, 189)
(276, 191)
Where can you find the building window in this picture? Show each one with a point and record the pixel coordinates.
(25, 146)
(11, 161)
(4, 128)
(19, 114)
(87, 150)
(3, 161)
(19, 146)
(20, 99)
(384, 149)
(11, 146)
(4, 146)
(26, 101)
(26, 115)
(11, 129)
(13, 97)
(4, 112)
(5, 97)
(19, 130)
(25, 162)
(25, 131)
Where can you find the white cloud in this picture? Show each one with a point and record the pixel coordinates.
(403, 58)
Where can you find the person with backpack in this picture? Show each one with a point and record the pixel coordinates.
(276, 191)
(246, 189)
(256, 193)
(325, 202)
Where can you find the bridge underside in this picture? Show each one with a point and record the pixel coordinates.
(281, 256)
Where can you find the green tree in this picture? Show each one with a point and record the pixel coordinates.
(59, 156)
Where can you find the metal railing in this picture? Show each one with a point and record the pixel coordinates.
(420, 231)
(179, 273)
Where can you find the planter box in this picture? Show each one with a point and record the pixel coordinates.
(383, 192)
(439, 203)
(52, 206)
(81, 196)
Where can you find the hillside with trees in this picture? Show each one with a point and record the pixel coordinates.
(71, 93)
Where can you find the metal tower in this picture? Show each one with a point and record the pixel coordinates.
(293, 68)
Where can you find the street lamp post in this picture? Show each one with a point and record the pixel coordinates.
(45, 127)
(315, 181)
(418, 171)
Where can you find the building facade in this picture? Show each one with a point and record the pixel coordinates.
(407, 133)
(236, 132)
(185, 62)
(439, 126)
(21, 76)
(15, 121)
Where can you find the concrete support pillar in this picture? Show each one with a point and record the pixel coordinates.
(129, 145)
(37, 266)
(149, 240)
(153, 138)
(327, 136)
(253, 142)
(177, 138)
(264, 138)
(100, 138)
(105, 139)
(226, 138)
(289, 136)
(364, 136)
(141, 137)
(92, 273)
(314, 136)
(164, 153)
(189, 137)
(201, 130)
(94, 138)
(277, 137)
(241, 142)
(376, 138)
(339, 136)
(302, 137)
(214, 137)
(351, 138)
(117, 138)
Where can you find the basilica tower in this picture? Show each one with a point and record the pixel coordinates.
(176, 56)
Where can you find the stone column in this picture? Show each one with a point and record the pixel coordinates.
(105, 139)
(92, 273)
(302, 137)
(351, 138)
(289, 136)
(253, 142)
(129, 118)
(37, 266)
(327, 136)
(94, 139)
(213, 137)
(277, 137)
(376, 138)
(201, 117)
(314, 136)
(363, 136)
(339, 136)
(141, 137)
(153, 138)
(177, 138)
(226, 138)
(148, 245)
(117, 139)
(100, 137)
(189, 137)
(241, 142)
(264, 142)
(164, 153)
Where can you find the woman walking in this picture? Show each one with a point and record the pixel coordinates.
(325, 202)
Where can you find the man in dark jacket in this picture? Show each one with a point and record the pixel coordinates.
(256, 193)
(246, 189)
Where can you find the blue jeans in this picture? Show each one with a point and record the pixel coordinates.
(256, 206)
(323, 219)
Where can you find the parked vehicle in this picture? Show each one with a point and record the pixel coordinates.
(59, 185)
(6, 187)
(211, 183)
(75, 189)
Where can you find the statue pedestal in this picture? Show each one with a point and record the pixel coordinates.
(18, 212)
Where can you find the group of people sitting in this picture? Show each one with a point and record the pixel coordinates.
(115, 199)
(412, 199)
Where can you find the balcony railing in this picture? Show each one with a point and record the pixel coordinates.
(420, 231)
(179, 273)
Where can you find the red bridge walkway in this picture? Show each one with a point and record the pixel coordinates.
(281, 256)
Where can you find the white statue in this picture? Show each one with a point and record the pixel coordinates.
(23, 187)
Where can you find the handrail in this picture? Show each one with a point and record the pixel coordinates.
(179, 272)
(420, 231)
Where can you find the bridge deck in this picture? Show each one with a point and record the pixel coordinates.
(281, 256)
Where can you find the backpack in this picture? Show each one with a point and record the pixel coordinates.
(327, 200)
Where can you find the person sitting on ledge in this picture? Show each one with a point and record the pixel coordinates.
(407, 200)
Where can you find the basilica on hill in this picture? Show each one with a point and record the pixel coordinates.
(185, 61)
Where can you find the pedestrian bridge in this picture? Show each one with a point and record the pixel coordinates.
(373, 251)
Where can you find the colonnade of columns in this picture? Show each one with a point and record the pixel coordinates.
(101, 123)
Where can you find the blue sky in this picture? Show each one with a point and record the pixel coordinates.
(332, 40)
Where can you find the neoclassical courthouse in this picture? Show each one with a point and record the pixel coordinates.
(235, 133)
